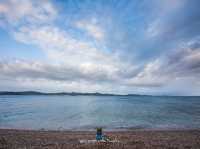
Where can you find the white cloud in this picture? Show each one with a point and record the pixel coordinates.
(48, 77)
(80, 63)
(151, 76)
(92, 77)
(92, 28)
(60, 47)
(18, 12)
(76, 64)
(175, 73)
(77, 59)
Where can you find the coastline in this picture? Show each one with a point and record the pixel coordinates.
(130, 139)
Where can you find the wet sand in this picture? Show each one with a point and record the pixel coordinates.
(134, 139)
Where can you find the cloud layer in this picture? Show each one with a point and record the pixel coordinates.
(146, 48)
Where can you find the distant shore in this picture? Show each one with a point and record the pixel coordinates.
(82, 94)
(64, 93)
(134, 139)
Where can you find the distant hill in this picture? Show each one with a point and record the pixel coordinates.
(59, 93)
(76, 94)
(63, 93)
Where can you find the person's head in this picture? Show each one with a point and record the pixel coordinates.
(99, 130)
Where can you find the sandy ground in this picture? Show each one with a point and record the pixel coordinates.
(26, 139)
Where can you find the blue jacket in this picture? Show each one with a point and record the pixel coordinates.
(98, 136)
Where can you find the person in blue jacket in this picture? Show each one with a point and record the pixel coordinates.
(99, 135)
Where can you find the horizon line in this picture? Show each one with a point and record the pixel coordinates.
(73, 93)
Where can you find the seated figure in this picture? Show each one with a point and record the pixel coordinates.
(99, 135)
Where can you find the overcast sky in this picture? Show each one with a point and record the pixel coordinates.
(108, 46)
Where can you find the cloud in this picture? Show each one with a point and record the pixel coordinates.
(56, 77)
(166, 73)
(61, 48)
(92, 28)
(173, 70)
(154, 51)
(60, 45)
(150, 76)
(18, 12)
(185, 62)
(38, 70)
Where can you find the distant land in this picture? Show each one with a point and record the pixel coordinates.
(74, 94)
(61, 93)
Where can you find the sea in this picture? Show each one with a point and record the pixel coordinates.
(66, 112)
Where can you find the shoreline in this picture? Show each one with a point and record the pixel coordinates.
(124, 129)
(151, 139)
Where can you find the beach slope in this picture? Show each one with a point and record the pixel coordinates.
(29, 139)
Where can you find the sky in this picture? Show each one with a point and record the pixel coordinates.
(108, 46)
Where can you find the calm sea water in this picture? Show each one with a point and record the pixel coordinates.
(109, 112)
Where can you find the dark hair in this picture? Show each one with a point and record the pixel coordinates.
(99, 130)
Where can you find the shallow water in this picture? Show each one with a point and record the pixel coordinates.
(88, 112)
